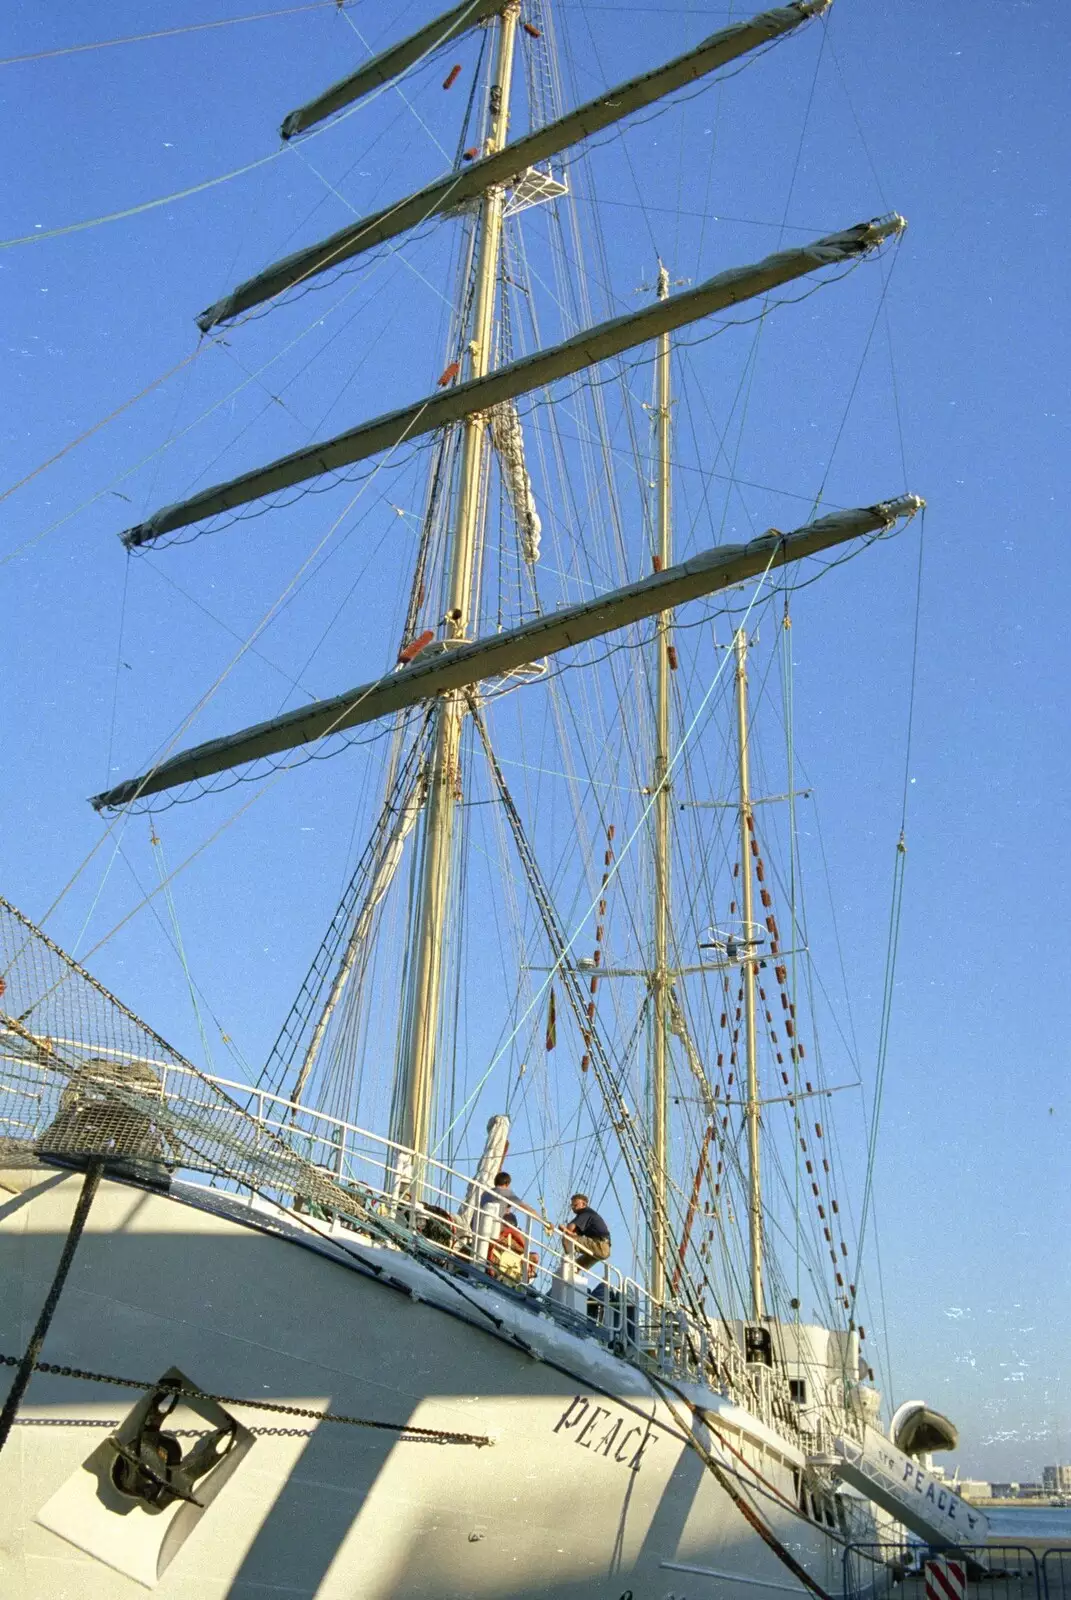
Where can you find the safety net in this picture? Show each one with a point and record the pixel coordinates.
(83, 1079)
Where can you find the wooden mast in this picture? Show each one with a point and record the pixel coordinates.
(416, 1071)
(660, 980)
(747, 973)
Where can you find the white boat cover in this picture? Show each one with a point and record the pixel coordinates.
(917, 1429)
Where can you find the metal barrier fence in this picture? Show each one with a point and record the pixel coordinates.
(994, 1572)
(1056, 1574)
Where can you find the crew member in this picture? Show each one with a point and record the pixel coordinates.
(506, 1253)
(590, 1232)
(501, 1198)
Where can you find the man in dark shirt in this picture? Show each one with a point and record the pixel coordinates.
(590, 1232)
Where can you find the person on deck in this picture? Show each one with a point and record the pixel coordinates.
(510, 1234)
(501, 1198)
(507, 1253)
(590, 1232)
(494, 1205)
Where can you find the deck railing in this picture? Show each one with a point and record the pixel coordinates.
(426, 1200)
(451, 1214)
(419, 1199)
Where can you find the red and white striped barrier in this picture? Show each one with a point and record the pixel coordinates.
(946, 1579)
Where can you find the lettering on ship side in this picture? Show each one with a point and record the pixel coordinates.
(595, 1428)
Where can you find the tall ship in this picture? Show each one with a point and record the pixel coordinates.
(326, 1328)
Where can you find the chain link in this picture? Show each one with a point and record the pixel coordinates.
(408, 1432)
(179, 1433)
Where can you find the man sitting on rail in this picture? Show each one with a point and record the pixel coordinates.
(590, 1232)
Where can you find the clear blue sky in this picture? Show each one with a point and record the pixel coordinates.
(963, 109)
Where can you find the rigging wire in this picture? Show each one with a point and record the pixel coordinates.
(268, 783)
(859, 373)
(202, 345)
(753, 602)
(294, 683)
(751, 370)
(788, 702)
(714, 216)
(88, 434)
(640, 826)
(201, 1003)
(170, 33)
(825, 20)
(268, 616)
(118, 670)
(391, 251)
(895, 911)
(399, 91)
(38, 236)
(169, 900)
(169, 745)
(352, 209)
(401, 792)
(602, 503)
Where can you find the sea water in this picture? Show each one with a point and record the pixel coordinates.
(1028, 1522)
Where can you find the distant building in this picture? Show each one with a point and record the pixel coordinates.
(974, 1489)
(971, 1488)
(1056, 1480)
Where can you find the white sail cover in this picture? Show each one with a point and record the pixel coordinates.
(509, 442)
(494, 1153)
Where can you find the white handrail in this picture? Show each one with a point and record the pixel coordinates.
(603, 1293)
(600, 1295)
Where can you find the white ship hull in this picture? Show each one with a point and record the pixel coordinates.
(590, 1488)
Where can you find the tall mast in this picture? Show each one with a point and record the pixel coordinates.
(413, 1098)
(747, 972)
(660, 973)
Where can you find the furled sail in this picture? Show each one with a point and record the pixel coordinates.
(464, 664)
(521, 377)
(390, 64)
(508, 440)
(500, 166)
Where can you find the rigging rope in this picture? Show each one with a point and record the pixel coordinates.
(895, 910)
(209, 183)
(170, 33)
(177, 734)
(40, 236)
(28, 1362)
(747, 1511)
(89, 432)
(157, 846)
(788, 701)
(200, 347)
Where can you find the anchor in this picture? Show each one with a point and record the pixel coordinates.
(151, 1468)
